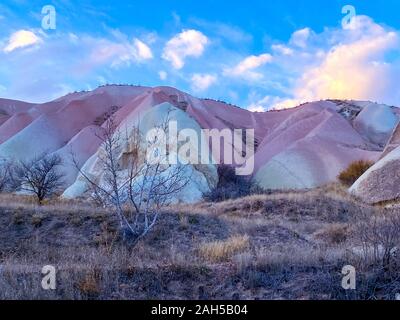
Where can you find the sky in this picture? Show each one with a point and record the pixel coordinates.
(259, 55)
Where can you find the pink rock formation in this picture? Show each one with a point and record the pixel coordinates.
(302, 147)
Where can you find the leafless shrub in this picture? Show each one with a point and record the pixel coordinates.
(134, 187)
(379, 239)
(39, 176)
(5, 176)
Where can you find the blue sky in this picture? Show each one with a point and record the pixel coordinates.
(256, 54)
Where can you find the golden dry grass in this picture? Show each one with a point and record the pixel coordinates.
(223, 250)
(355, 170)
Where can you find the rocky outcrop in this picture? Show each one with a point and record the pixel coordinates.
(310, 148)
(381, 183)
(298, 148)
(394, 142)
(202, 177)
(376, 122)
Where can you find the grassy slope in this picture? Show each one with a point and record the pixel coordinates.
(281, 246)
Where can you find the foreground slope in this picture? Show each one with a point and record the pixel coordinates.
(280, 246)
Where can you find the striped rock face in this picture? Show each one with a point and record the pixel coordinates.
(298, 148)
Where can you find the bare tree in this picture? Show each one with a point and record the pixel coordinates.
(40, 176)
(134, 187)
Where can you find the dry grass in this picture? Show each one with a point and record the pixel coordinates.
(223, 250)
(19, 202)
(336, 233)
(289, 245)
(297, 255)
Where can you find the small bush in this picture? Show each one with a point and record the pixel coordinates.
(379, 240)
(90, 285)
(334, 234)
(349, 176)
(37, 220)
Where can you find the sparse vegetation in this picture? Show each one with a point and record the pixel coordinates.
(280, 246)
(349, 176)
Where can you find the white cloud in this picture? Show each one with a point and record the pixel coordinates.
(107, 51)
(224, 31)
(188, 43)
(101, 80)
(354, 63)
(141, 50)
(258, 104)
(255, 108)
(300, 37)
(360, 62)
(163, 75)
(282, 103)
(201, 82)
(118, 53)
(21, 39)
(349, 71)
(73, 37)
(282, 49)
(245, 67)
(270, 102)
(355, 68)
(73, 62)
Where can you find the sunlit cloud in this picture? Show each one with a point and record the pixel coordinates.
(246, 67)
(201, 82)
(21, 39)
(222, 60)
(141, 50)
(272, 102)
(339, 63)
(189, 43)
